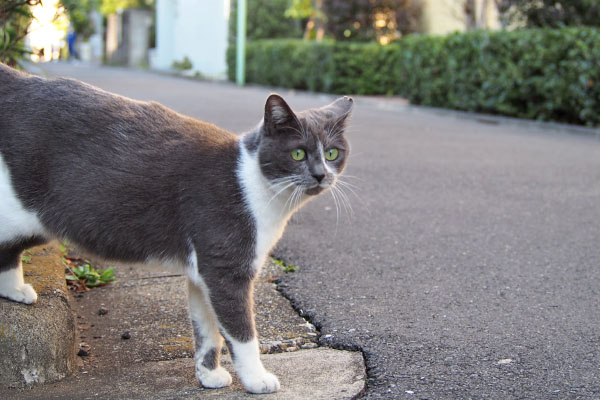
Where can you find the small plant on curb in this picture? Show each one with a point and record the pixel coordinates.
(287, 268)
(26, 256)
(80, 273)
(64, 249)
(91, 277)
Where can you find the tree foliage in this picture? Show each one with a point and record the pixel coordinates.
(79, 11)
(367, 20)
(266, 19)
(79, 15)
(550, 13)
(108, 7)
(310, 13)
(362, 20)
(15, 18)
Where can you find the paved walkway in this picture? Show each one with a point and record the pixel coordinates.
(137, 343)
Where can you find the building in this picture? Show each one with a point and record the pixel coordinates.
(196, 29)
(445, 16)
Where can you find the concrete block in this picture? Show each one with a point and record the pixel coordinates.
(37, 342)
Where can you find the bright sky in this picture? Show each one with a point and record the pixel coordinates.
(47, 31)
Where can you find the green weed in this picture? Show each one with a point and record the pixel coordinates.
(26, 256)
(287, 268)
(90, 276)
(81, 274)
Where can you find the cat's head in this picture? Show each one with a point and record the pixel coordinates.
(308, 149)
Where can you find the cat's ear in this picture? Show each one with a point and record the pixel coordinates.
(278, 114)
(342, 107)
(339, 111)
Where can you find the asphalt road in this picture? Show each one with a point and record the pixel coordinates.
(470, 264)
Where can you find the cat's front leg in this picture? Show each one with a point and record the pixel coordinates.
(247, 364)
(12, 285)
(208, 340)
(14, 288)
(232, 301)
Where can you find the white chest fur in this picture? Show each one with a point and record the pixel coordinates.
(270, 210)
(15, 221)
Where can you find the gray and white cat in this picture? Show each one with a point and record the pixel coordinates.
(160, 187)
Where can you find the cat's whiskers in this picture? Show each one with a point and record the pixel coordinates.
(331, 131)
(349, 186)
(294, 199)
(337, 207)
(287, 184)
(281, 185)
(289, 200)
(353, 177)
(302, 131)
(354, 190)
(341, 198)
(298, 198)
(345, 201)
(275, 183)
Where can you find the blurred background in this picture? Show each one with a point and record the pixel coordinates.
(470, 267)
(532, 59)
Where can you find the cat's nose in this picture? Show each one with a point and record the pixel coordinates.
(319, 177)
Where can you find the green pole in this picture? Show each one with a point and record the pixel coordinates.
(240, 64)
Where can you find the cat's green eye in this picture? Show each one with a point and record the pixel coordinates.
(332, 154)
(298, 154)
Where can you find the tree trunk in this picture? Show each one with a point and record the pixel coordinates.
(470, 14)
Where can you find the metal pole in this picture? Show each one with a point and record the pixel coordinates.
(240, 64)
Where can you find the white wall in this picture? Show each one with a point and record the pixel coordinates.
(193, 28)
(444, 16)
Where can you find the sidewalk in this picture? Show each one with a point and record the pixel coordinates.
(156, 362)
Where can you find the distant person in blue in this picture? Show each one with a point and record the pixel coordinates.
(71, 39)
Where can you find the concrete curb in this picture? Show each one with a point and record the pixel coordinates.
(37, 342)
(402, 105)
(316, 374)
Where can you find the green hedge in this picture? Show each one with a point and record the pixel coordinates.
(545, 74)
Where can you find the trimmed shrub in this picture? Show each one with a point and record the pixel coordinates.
(544, 74)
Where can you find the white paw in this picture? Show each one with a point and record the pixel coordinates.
(213, 378)
(263, 383)
(21, 294)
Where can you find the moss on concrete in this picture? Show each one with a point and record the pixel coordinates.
(45, 271)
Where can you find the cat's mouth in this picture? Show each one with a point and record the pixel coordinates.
(314, 190)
